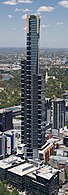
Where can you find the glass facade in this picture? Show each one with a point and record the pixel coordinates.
(31, 90)
(58, 113)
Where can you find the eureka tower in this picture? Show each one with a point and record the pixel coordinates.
(33, 92)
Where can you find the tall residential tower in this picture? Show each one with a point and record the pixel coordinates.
(33, 97)
(58, 113)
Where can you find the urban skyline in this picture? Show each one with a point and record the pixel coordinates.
(34, 105)
(53, 15)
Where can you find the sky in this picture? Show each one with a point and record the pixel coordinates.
(53, 28)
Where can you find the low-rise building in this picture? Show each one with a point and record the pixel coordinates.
(7, 163)
(32, 179)
(45, 151)
(44, 181)
(16, 175)
(58, 161)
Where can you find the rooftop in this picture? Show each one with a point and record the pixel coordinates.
(23, 169)
(45, 147)
(8, 162)
(59, 158)
(13, 109)
(57, 100)
(45, 171)
(52, 140)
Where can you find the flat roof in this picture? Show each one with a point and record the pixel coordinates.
(44, 145)
(62, 148)
(13, 109)
(57, 100)
(16, 121)
(8, 162)
(55, 140)
(45, 148)
(46, 176)
(22, 145)
(23, 169)
(52, 140)
(45, 171)
(59, 158)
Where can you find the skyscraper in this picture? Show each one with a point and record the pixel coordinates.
(33, 99)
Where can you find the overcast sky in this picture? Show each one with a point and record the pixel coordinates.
(54, 22)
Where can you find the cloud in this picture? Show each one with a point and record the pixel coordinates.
(24, 28)
(10, 16)
(37, 13)
(59, 23)
(26, 10)
(25, 1)
(14, 2)
(24, 16)
(63, 3)
(22, 10)
(18, 10)
(10, 2)
(45, 26)
(45, 9)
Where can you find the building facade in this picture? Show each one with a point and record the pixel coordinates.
(33, 180)
(5, 120)
(58, 113)
(33, 99)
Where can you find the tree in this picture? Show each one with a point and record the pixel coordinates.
(15, 192)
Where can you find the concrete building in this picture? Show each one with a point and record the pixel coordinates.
(48, 110)
(16, 176)
(33, 92)
(46, 151)
(1, 145)
(10, 140)
(21, 150)
(5, 120)
(16, 124)
(8, 163)
(13, 140)
(58, 161)
(29, 178)
(58, 113)
(44, 181)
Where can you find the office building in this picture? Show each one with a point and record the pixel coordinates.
(46, 151)
(28, 178)
(58, 113)
(7, 163)
(9, 142)
(33, 99)
(1, 145)
(33, 180)
(5, 120)
(48, 110)
(45, 181)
